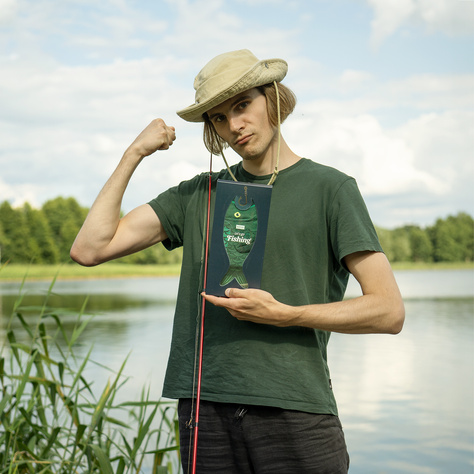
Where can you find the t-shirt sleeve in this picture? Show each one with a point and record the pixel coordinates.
(170, 209)
(351, 227)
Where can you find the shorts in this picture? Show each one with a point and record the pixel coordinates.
(238, 439)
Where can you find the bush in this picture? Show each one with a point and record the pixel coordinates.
(51, 421)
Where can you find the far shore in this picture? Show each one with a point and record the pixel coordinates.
(70, 271)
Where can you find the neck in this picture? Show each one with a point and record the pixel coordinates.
(265, 164)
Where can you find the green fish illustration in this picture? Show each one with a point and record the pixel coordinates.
(240, 230)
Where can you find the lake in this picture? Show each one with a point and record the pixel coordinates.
(406, 402)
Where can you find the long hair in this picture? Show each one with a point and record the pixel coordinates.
(214, 143)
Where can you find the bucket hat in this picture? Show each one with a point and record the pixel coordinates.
(230, 74)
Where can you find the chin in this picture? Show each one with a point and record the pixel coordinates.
(250, 158)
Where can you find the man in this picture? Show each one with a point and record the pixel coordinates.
(266, 402)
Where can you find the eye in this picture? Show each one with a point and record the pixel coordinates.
(243, 105)
(219, 118)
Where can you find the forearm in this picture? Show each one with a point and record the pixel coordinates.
(380, 309)
(370, 313)
(363, 315)
(103, 219)
(104, 235)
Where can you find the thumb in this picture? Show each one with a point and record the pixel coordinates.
(234, 293)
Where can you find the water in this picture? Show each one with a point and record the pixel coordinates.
(406, 401)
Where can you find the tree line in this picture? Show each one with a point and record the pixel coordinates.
(45, 236)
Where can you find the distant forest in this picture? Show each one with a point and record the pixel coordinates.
(45, 236)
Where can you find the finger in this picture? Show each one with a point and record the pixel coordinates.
(168, 139)
(235, 293)
(215, 300)
(171, 135)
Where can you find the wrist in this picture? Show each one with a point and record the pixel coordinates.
(288, 315)
(133, 156)
(299, 316)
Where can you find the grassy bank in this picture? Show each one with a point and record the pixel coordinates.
(69, 272)
(433, 266)
(55, 419)
(12, 272)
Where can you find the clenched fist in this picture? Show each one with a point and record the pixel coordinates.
(156, 136)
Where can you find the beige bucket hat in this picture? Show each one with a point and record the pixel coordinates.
(226, 76)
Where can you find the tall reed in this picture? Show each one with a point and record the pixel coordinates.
(51, 418)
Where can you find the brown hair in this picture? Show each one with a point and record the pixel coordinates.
(214, 143)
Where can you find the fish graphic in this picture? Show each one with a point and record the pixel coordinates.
(240, 231)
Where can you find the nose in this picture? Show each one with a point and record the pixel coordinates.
(235, 123)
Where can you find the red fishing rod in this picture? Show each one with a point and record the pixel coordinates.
(201, 336)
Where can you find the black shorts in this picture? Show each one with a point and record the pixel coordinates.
(260, 440)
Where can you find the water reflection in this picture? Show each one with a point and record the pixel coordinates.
(406, 401)
(131, 318)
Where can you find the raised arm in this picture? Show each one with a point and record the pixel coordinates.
(380, 309)
(104, 235)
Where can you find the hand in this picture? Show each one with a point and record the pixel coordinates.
(257, 306)
(156, 136)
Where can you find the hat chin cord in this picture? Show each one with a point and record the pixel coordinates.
(275, 171)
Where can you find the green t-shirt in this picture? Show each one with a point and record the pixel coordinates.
(317, 217)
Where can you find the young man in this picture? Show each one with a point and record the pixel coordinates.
(266, 401)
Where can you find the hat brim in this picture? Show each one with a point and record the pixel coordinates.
(264, 72)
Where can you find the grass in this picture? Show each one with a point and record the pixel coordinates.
(433, 266)
(17, 272)
(53, 420)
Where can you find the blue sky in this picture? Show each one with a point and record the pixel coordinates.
(385, 93)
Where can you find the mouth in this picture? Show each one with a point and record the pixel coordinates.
(243, 140)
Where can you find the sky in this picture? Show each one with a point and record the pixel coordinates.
(385, 94)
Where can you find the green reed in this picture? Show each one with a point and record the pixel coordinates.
(51, 418)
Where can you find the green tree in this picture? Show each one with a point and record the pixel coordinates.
(465, 235)
(385, 238)
(156, 254)
(453, 238)
(43, 243)
(65, 217)
(401, 250)
(4, 243)
(18, 246)
(421, 248)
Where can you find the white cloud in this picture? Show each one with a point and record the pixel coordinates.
(352, 80)
(432, 92)
(65, 119)
(18, 194)
(66, 128)
(8, 11)
(388, 16)
(382, 163)
(443, 145)
(454, 17)
(422, 161)
(210, 27)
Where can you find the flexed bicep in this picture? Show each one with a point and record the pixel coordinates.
(139, 229)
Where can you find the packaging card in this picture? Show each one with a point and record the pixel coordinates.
(238, 238)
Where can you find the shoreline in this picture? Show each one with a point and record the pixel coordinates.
(71, 272)
(113, 270)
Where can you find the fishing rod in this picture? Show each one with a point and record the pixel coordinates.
(206, 258)
(201, 336)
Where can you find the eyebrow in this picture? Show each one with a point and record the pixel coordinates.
(235, 102)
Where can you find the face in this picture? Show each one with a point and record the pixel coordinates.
(242, 121)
